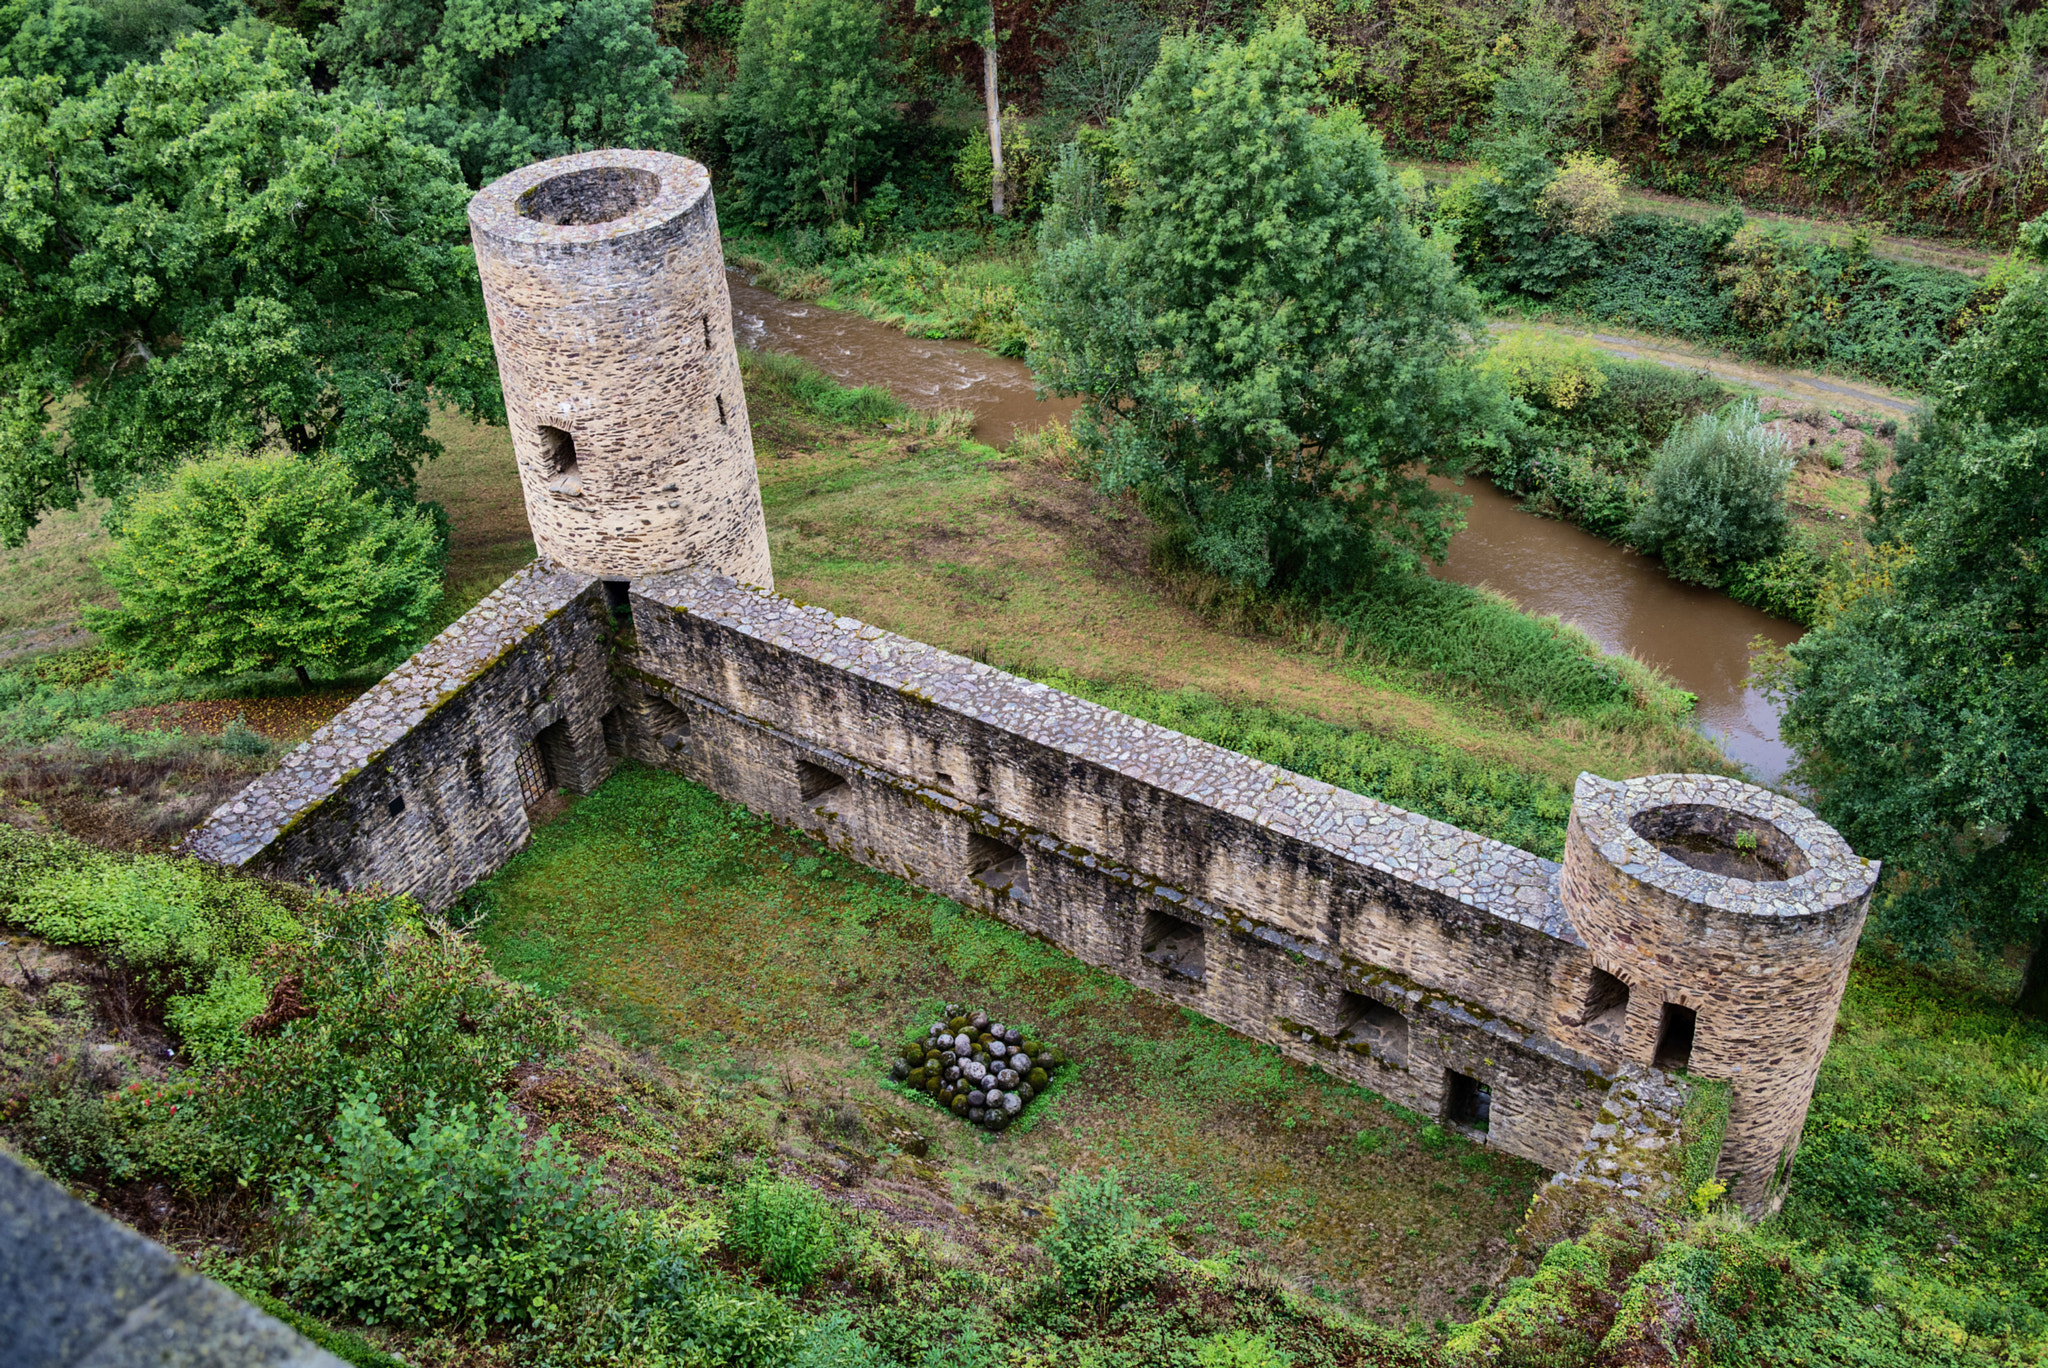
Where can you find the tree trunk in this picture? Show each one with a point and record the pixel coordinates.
(305, 680)
(2033, 996)
(995, 125)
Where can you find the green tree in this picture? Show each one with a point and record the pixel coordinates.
(242, 564)
(62, 39)
(204, 253)
(807, 94)
(1717, 495)
(1265, 343)
(1920, 711)
(502, 83)
(975, 22)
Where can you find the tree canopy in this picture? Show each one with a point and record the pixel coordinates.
(1920, 711)
(205, 253)
(241, 564)
(1265, 342)
(502, 83)
(808, 92)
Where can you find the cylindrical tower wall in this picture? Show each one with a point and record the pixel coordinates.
(605, 283)
(1732, 914)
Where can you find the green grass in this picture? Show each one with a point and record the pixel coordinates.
(748, 952)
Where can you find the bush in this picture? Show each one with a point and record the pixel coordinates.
(243, 565)
(1102, 1247)
(455, 1223)
(785, 1227)
(404, 1009)
(1552, 372)
(1716, 496)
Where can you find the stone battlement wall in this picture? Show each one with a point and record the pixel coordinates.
(1471, 981)
(416, 786)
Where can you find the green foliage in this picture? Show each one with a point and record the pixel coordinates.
(1716, 495)
(817, 393)
(1540, 1321)
(1110, 46)
(63, 41)
(808, 92)
(785, 1227)
(1702, 1125)
(211, 1022)
(176, 923)
(1555, 373)
(243, 565)
(208, 254)
(406, 1011)
(1917, 710)
(1440, 781)
(1239, 1349)
(504, 83)
(1265, 344)
(1510, 236)
(1102, 1246)
(459, 1221)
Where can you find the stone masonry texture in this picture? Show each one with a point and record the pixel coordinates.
(605, 284)
(1697, 923)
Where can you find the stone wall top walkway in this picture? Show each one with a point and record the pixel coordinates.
(257, 816)
(1479, 872)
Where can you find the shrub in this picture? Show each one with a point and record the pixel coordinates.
(455, 1223)
(1716, 496)
(401, 1008)
(1549, 371)
(786, 1227)
(1585, 195)
(1102, 1247)
(244, 565)
(700, 1316)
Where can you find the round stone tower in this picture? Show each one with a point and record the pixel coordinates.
(1728, 915)
(605, 283)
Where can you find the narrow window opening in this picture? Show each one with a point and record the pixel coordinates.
(1467, 1101)
(1174, 945)
(997, 867)
(615, 596)
(707, 332)
(558, 460)
(1605, 1016)
(395, 806)
(1675, 1036)
(817, 784)
(669, 724)
(614, 725)
(1367, 1021)
(721, 410)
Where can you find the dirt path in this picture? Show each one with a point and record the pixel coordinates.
(1828, 391)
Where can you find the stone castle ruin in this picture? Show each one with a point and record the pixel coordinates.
(1698, 924)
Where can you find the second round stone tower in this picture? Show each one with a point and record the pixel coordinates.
(604, 279)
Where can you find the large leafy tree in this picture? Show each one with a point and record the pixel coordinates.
(808, 91)
(1920, 711)
(242, 564)
(501, 83)
(204, 253)
(1265, 342)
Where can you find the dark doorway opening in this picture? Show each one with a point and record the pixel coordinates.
(1368, 1021)
(1467, 1101)
(558, 460)
(1606, 1012)
(1674, 1037)
(817, 784)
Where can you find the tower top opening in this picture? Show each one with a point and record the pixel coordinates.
(597, 195)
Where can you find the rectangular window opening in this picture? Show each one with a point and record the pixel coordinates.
(997, 866)
(818, 785)
(669, 725)
(533, 775)
(1367, 1021)
(1675, 1036)
(1467, 1101)
(721, 410)
(1605, 1015)
(707, 332)
(395, 806)
(1174, 945)
(614, 726)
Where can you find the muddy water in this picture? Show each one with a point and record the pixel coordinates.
(924, 374)
(1625, 602)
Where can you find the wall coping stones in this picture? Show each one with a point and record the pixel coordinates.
(253, 819)
(1483, 874)
(495, 208)
(1835, 877)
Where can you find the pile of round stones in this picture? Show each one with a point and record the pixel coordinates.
(977, 1068)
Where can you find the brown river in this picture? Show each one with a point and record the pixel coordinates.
(1626, 602)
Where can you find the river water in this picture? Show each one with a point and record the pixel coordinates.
(1626, 602)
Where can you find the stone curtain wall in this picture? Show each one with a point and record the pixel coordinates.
(1388, 949)
(605, 283)
(415, 787)
(1466, 979)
